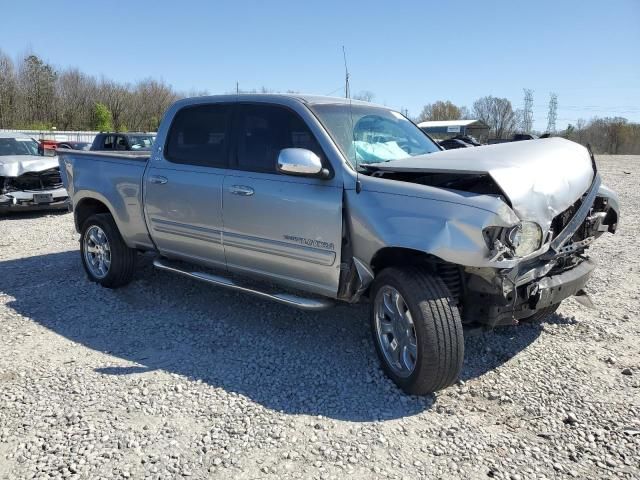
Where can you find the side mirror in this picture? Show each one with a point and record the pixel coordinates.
(301, 162)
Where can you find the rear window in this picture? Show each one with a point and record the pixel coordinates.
(199, 136)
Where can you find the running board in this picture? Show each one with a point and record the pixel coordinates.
(284, 298)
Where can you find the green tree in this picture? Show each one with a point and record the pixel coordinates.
(102, 119)
(442, 111)
(37, 81)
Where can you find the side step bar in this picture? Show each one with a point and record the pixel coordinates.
(284, 298)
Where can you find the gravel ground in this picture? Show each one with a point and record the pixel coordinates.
(169, 378)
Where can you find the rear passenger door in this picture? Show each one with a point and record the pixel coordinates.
(278, 226)
(183, 185)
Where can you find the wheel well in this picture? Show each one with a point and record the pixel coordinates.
(451, 274)
(86, 208)
(398, 256)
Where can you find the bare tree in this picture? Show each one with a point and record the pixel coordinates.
(614, 130)
(498, 114)
(365, 96)
(580, 129)
(612, 135)
(8, 91)
(75, 92)
(149, 100)
(117, 98)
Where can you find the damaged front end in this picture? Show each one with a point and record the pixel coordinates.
(536, 209)
(33, 190)
(29, 179)
(559, 269)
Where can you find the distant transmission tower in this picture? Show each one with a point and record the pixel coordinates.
(553, 113)
(527, 115)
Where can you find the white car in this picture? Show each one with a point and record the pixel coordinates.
(28, 179)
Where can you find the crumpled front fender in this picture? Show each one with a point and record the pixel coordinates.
(442, 223)
(614, 202)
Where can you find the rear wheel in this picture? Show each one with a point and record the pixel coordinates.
(105, 257)
(417, 330)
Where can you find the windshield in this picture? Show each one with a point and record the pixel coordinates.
(378, 134)
(18, 146)
(141, 142)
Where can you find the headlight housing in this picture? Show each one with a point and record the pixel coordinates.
(524, 238)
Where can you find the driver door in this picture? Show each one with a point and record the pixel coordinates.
(285, 228)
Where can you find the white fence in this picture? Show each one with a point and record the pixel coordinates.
(58, 136)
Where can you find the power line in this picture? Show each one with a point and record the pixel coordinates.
(334, 91)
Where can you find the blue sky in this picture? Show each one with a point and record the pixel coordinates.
(407, 52)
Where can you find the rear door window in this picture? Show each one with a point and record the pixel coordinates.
(264, 130)
(199, 135)
(109, 142)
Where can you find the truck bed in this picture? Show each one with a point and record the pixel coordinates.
(121, 155)
(114, 179)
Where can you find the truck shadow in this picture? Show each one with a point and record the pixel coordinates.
(284, 359)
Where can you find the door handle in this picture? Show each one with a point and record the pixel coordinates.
(157, 179)
(241, 190)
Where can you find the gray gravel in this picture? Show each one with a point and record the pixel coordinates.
(168, 378)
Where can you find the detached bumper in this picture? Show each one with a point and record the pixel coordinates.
(34, 200)
(554, 289)
(495, 309)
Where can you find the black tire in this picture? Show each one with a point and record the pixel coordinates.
(437, 325)
(541, 315)
(123, 259)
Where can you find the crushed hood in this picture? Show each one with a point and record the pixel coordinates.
(16, 165)
(541, 178)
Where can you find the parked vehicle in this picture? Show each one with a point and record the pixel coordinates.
(29, 175)
(517, 137)
(48, 147)
(337, 200)
(453, 143)
(470, 139)
(123, 142)
(74, 145)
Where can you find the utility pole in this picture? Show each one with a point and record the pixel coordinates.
(347, 93)
(527, 114)
(553, 113)
(237, 88)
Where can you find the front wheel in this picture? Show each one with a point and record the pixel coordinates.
(416, 330)
(105, 257)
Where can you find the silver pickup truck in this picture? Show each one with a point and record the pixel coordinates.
(325, 200)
